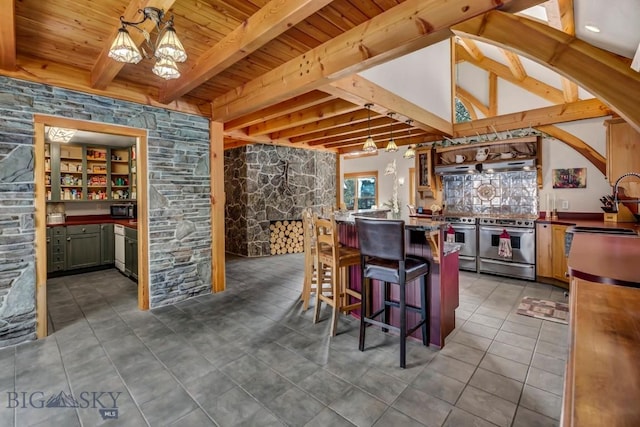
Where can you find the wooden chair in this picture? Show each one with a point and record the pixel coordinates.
(310, 280)
(333, 259)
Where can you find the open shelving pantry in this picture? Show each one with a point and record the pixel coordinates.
(78, 173)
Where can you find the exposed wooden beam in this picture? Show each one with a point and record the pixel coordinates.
(273, 19)
(466, 95)
(216, 170)
(579, 110)
(597, 70)
(514, 64)
(471, 47)
(352, 118)
(560, 16)
(287, 107)
(405, 28)
(577, 144)
(378, 125)
(357, 147)
(309, 115)
(530, 84)
(493, 94)
(74, 78)
(106, 69)
(359, 90)
(8, 35)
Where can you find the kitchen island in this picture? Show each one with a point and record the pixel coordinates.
(442, 280)
(601, 379)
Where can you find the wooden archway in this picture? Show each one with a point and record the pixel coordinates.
(604, 74)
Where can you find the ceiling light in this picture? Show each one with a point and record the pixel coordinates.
(411, 152)
(391, 145)
(166, 49)
(55, 134)
(592, 27)
(369, 144)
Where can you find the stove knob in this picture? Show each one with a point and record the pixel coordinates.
(519, 222)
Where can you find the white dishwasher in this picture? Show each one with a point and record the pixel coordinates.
(118, 230)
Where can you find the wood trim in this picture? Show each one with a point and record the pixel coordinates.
(8, 35)
(273, 19)
(216, 170)
(469, 106)
(454, 78)
(577, 144)
(405, 28)
(106, 69)
(514, 64)
(338, 172)
(579, 110)
(41, 233)
(471, 47)
(598, 71)
(365, 174)
(464, 94)
(40, 121)
(493, 95)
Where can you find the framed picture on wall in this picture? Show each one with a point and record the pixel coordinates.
(570, 178)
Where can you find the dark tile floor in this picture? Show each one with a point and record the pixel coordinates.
(249, 356)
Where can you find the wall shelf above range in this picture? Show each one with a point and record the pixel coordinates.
(507, 154)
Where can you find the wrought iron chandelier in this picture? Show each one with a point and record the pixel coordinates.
(167, 49)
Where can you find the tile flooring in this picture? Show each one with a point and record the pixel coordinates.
(249, 356)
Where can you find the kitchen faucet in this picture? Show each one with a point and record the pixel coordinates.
(615, 189)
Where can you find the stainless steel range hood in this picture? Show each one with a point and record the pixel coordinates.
(491, 166)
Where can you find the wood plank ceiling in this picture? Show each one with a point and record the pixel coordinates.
(279, 71)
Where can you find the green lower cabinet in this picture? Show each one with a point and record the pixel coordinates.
(56, 249)
(49, 251)
(108, 246)
(83, 246)
(131, 252)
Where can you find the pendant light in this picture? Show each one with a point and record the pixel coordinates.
(411, 152)
(369, 146)
(391, 145)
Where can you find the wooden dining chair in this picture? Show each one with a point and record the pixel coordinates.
(310, 281)
(333, 261)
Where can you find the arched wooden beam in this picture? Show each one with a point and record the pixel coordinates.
(600, 72)
(577, 144)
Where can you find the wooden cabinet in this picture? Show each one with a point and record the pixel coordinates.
(56, 258)
(551, 259)
(83, 246)
(544, 257)
(107, 244)
(559, 258)
(79, 173)
(623, 155)
(131, 252)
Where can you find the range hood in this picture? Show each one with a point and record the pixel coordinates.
(491, 166)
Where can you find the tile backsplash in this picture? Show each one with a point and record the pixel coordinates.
(500, 193)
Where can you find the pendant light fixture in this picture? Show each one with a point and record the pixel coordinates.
(166, 49)
(391, 145)
(411, 152)
(369, 145)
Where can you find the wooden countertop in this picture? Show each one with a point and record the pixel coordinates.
(96, 219)
(602, 385)
(605, 258)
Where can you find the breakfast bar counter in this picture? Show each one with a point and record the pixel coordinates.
(442, 280)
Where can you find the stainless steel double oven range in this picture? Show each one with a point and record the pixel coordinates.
(480, 240)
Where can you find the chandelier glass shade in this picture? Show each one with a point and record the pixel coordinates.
(369, 145)
(167, 48)
(411, 152)
(391, 145)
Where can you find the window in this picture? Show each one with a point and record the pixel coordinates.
(360, 190)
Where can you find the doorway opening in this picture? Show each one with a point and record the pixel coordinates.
(43, 193)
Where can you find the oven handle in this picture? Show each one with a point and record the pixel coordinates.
(509, 230)
(463, 227)
(493, 261)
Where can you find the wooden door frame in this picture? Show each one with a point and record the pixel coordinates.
(40, 121)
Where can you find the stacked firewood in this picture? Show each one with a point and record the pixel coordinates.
(287, 237)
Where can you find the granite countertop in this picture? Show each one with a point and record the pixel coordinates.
(96, 219)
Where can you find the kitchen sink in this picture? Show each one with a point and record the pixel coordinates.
(604, 230)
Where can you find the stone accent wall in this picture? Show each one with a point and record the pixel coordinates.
(265, 183)
(179, 209)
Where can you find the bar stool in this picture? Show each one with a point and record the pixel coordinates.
(383, 258)
(333, 258)
(310, 280)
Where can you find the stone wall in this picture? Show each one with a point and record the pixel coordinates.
(265, 183)
(179, 208)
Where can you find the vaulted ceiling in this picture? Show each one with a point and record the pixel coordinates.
(285, 71)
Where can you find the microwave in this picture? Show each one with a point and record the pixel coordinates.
(124, 211)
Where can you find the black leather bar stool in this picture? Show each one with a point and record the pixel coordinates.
(383, 258)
